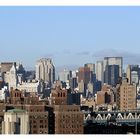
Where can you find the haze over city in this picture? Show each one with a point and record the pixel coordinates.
(69, 70)
(70, 35)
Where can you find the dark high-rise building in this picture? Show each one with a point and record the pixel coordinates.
(73, 98)
(73, 83)
(111, 74)
(114, 61)
(92, 71)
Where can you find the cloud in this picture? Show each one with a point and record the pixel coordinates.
(49, 55)
(69, 67)
(66, 51)
(128, 57)
(83, 53)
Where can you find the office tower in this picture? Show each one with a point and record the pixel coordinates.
(90, 88)
(73, 83)
(15, 122)
(134, 77)
(74, 73)
(58, 96)
(128, 73)
(64, 75)
(68, 119)
(99, 71)
(84, 74)
(97, 86)
(114, 61)
(111, 74)
(45, 71)
(127, 96)
(92, 71)
(10, 77)
(91, 66)
(82, 88)
(73, 98)
(132, 73)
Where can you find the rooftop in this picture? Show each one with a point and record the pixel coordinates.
(16, 110)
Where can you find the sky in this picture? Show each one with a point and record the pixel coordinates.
(71, 36)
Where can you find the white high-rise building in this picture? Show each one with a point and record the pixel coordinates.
(64, 75)
(45, 70)
(99, 71)
(16, 121)
(114, 61)
(13, 77)
(10, 77)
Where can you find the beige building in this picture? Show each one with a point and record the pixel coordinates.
(91, 66)
(81, 86)
(99, 71)
(45, 70)
(16, 121)
(90, 87)
(127, 96)
(100, 98)
(68, 119)
(128, 74)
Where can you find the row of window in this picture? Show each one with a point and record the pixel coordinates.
(40, 126)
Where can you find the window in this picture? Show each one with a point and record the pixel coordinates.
(34, 132)
(34, 126)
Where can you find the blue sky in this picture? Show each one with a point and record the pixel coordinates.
(70, 35)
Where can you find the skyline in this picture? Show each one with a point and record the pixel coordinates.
(69, 35)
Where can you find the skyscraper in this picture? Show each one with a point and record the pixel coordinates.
(111, 74)
(114, 61)
(127, 96)
(64, 75)
(99, 71)
(45, 71)
(16, 121)
(132, 73)
(91, 66)
(84, 75)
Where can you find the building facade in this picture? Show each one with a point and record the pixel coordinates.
(127, 96)
(68, 119)
(99, 71)
(45, 71)
(114, 61)
(111, 74)
(16, 121)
